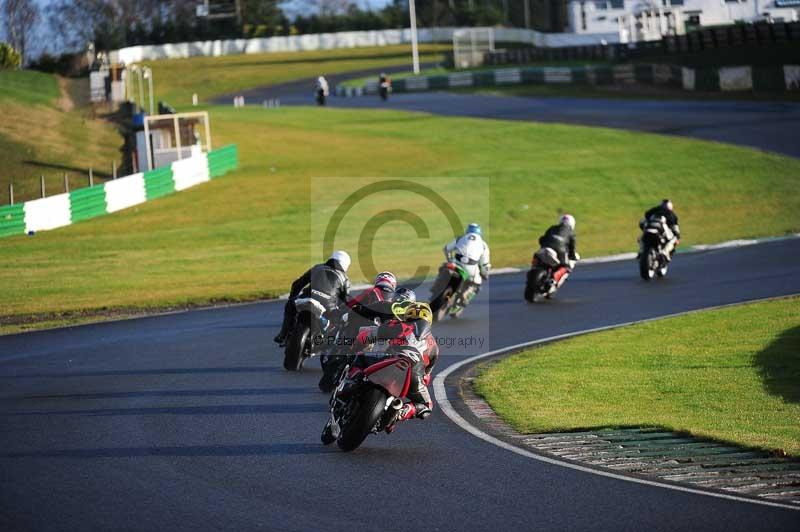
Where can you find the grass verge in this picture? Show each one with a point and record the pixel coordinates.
(730, 374)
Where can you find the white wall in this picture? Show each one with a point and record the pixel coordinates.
(346, 39)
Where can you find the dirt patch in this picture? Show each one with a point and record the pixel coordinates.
(65, 102)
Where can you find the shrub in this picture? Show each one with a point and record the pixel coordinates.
(9, 58)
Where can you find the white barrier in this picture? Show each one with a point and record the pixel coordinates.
(461, 79)
(791, 76)
(557, 75)
(190, 172)
(344, 39)
(47, 213)
(736, 78)
(507, 75)
(125, 192)
(687, 76)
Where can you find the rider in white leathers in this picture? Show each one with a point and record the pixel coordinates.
(472, 253)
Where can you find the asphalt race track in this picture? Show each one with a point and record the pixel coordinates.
(768, 126)
(188, 422)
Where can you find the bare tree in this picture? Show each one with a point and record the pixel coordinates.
(20, 18)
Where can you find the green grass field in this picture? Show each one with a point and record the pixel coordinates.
(45, 131)
(730, 374)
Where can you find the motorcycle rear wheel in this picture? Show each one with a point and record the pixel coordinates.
(646, 266)
(533, 285)
(368, 412)
(293, 355)
(442, 304)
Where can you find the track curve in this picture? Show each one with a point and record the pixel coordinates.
(188, 422)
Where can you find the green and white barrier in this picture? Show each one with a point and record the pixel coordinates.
(738, 78)
(82, 204)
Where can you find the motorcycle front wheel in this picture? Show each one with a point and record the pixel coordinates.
(368, 411)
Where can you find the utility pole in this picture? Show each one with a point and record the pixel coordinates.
(412, 8)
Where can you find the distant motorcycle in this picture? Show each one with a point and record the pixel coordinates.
(653, 260)
(367, 401)
(306, 337)
(451, 292)
(321, 98)
(384, 88)
(540, 282)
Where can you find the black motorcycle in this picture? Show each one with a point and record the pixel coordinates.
(307, 335)
(653, 260)
(540, 283)
(451, 292)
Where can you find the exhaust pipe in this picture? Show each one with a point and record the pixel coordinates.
(396, 403)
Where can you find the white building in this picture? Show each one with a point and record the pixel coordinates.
(642, 20)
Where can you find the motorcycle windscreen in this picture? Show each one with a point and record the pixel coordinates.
(394, 378)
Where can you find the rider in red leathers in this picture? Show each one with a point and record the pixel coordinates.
(412, 338)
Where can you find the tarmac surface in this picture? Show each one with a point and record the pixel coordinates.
(188, 421)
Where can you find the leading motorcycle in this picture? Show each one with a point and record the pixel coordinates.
(367, 401)
(653, 260)
(540, 282)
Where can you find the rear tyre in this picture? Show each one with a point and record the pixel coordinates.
(646, 265)
(293, 355)
(369, 411)
(662, 269)
(442, 304)
(533, 287)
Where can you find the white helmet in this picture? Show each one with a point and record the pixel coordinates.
(569, 220)
(342, 258)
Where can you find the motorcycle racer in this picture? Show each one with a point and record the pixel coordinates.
(664, 210)
(472, 253)
(561, 239)
(364, 308)
(327, 284)
(412, 338)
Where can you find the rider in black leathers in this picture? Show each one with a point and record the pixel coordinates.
(665, 210)
(326, 283)
(561, 239)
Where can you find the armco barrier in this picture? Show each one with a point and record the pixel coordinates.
(774, 78)
(222, 160)
(83, 204)
(87, 203)
(12, 220)
(158, 183)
